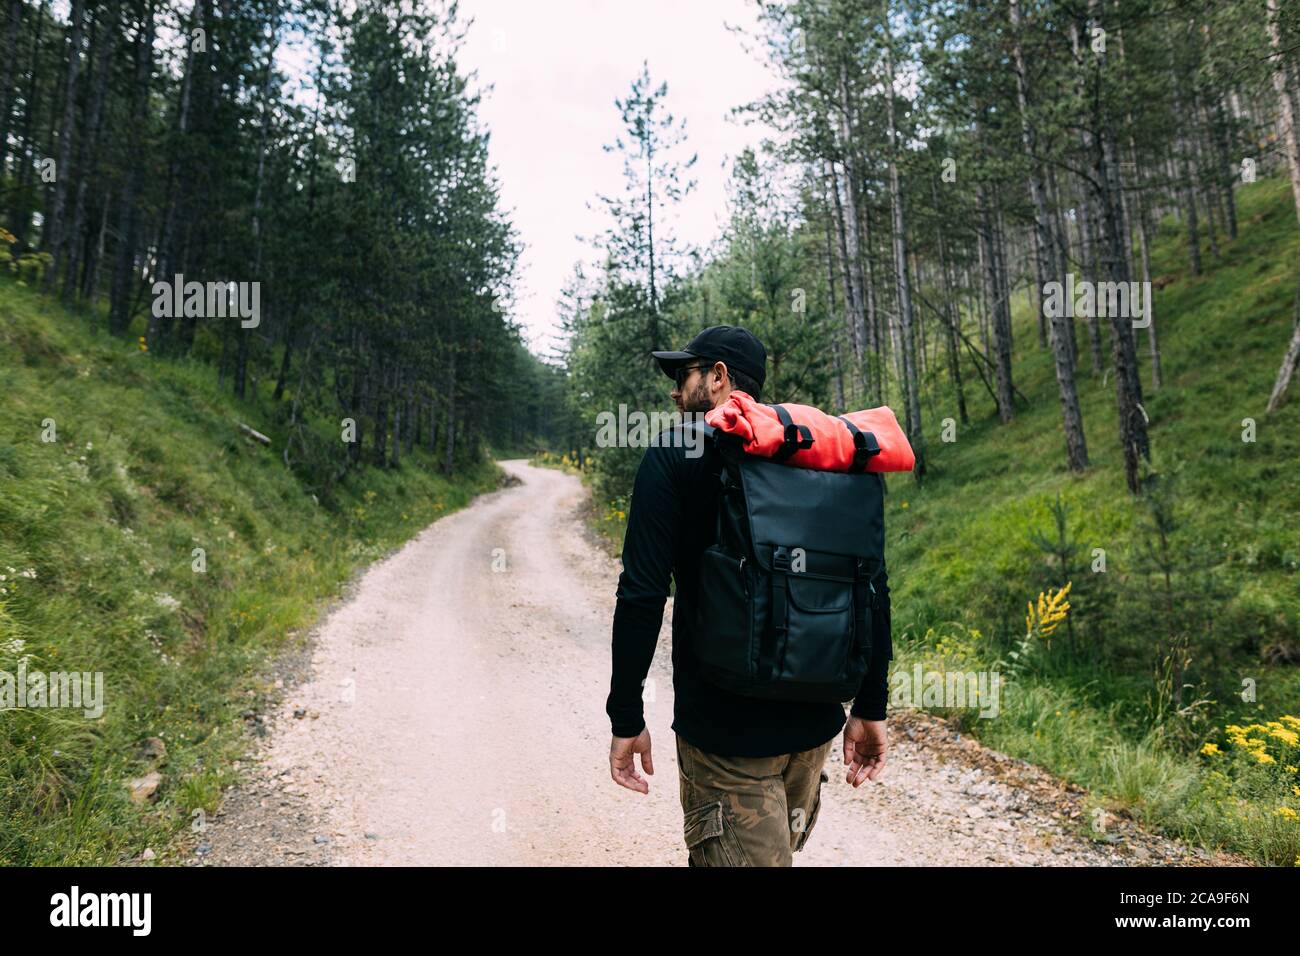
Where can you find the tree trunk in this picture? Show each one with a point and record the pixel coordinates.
(283, 375)
(1000, 347)
(395, 459)
(125, 278)
(88, 163)
(1184, 176)
(1062, 253)
(1206, 176)
(951, 319)
(858, 244)
(380, 385)
(852, 304)
(355, 410)
(909, 384)
(871, 310)
(20, 215)
(55, 228)
(177, 191)
(1076, 448)
(246, 335)
(12, 34)
(410, 422)
(449, 448)
(830, 310)
(1144, 237)
(1282, 84)
(1128, 386)
(1226, 169)
(437, 429)
(90, 290)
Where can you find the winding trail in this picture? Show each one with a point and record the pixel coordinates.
(452, 712)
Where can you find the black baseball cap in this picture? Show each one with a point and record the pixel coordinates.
(738, 348)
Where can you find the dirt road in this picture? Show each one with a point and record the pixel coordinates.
(452, 712)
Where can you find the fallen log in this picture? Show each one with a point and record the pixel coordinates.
(254, 434)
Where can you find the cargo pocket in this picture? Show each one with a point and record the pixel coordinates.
(710, 839)
(799, 839)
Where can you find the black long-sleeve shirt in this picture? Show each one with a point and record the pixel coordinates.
(671, 520)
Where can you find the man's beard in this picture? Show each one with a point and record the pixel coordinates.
(697, 400)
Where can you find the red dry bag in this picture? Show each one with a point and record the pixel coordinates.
(800, 435)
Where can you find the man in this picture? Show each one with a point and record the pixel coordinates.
(750, 769)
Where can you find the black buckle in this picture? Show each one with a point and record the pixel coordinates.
(781, 559)
(795, 437)
(865, 445)
(800, 436)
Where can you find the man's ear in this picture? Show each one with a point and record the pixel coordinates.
(723, 376)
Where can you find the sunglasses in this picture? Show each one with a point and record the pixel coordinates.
(684, 372)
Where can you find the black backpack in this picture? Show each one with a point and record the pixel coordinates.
(788, 593)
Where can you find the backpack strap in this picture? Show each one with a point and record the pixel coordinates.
(774, 637)
(865, 600)
(864, 444)
(797, 437)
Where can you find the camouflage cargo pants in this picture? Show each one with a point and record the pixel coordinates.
(749, 811)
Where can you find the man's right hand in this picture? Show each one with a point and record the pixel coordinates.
(622, 762)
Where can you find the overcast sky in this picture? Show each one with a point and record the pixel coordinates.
(556, 67)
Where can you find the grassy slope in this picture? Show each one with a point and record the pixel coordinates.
(148, 466)
(1222, 338)
(960, 548)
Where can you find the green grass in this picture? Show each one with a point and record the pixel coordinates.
(148, 466)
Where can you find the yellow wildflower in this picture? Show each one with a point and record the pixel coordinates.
(1211, 750)
(1051, 611)
(1288, 737)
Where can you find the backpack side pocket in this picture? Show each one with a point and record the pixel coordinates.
(723, 632)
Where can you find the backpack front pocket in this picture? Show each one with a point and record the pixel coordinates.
(819, 630)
